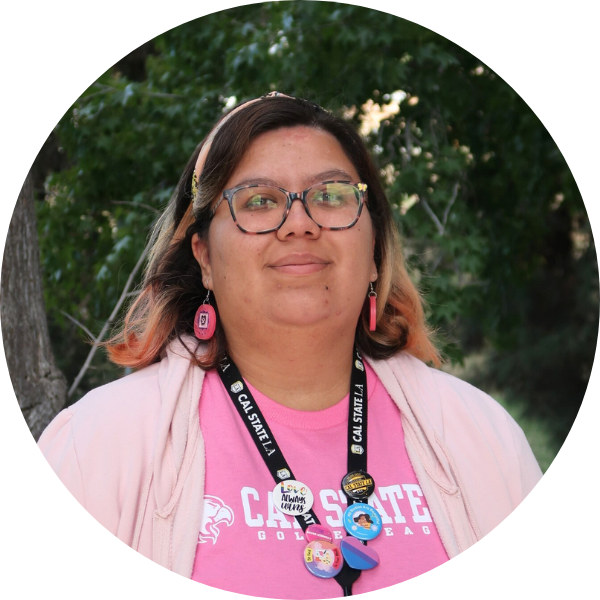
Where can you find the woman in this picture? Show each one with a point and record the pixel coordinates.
(276, 333)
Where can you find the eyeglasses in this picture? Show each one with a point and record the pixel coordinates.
(332, 205)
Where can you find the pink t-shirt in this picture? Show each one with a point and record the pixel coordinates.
(246, 545)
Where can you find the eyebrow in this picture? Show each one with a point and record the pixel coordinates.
(331, 174)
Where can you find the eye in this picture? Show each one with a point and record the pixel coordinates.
(332, 195)
(257, 201)
(252, 199)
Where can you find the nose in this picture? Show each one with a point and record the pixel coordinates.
(298, 222)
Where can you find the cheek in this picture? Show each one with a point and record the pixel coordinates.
(362, 248)
(235, 256)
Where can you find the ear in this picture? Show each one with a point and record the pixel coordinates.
(202, 256)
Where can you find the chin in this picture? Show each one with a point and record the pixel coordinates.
(305, 317)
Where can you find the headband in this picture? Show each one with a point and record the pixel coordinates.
(211, 136)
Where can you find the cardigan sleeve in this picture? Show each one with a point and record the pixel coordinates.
(58, 446)
(528, 466)
(101, 450)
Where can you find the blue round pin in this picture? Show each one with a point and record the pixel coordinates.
(362, 521)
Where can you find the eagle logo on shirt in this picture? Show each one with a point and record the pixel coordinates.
(214, 514)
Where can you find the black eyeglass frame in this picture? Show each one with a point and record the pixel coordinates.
(360, 187)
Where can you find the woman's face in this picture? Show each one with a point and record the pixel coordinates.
(362, 521)
(299, 275)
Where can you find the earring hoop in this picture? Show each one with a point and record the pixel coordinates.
(372, 308)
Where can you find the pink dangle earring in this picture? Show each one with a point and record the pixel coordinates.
(372, 308)
(205, 321)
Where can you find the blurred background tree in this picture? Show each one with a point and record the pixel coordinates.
(494, 228)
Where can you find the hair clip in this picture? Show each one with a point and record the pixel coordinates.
(194, 186)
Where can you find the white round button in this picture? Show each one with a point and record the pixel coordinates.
(293, 497)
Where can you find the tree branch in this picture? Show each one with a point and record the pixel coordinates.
(111, 89)
(433, 216)
(140, 204)
(145, 93)
(110, 319)
(450, 203)
(441, 225)
(74, 320)
(408, 138)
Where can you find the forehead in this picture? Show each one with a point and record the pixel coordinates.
(293, 157)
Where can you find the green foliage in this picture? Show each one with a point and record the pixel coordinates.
(494, 228)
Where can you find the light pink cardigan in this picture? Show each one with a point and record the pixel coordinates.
(132, 453)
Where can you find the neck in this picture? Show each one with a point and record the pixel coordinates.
(297, 369)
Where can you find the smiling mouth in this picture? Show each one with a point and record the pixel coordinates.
(303, 269)
(299, 265)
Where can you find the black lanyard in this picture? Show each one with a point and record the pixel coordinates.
(265, 441)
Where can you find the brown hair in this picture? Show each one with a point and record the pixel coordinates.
(172, 288)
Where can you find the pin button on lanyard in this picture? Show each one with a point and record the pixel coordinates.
(296, 498)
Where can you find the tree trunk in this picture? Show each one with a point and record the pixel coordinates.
(39, 385)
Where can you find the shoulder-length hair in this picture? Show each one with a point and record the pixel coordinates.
(172, 288)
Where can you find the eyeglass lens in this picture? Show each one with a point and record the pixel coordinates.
(262, 208)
